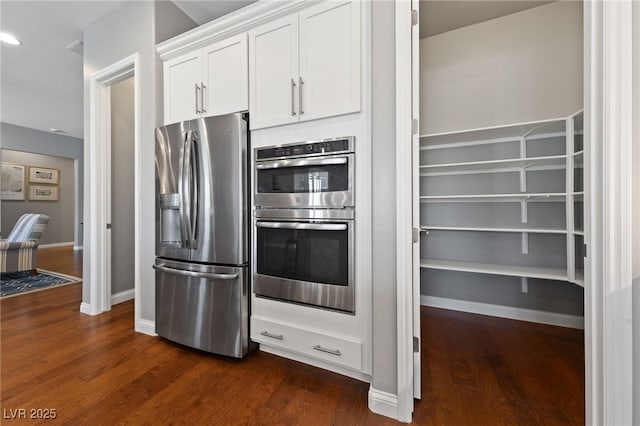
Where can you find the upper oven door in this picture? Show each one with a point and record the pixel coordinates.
(315, 182)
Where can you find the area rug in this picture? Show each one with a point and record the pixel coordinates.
(17, 283)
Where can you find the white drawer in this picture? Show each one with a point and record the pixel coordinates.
(336, 350)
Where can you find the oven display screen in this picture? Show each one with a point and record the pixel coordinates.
(307, 179)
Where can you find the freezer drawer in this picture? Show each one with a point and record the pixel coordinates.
(204, 307)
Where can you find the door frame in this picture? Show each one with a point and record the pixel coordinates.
(608, 267)
(97, 271)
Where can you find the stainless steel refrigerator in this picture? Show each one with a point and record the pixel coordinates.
(201, 267)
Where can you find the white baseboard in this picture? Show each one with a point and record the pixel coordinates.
(70, 243)
(383, 403)
(77, 248)
(543, 317)
(87, 309)
(146, 327)
(122, 296)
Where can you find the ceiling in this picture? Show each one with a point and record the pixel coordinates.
(440, 16)
(42, 83)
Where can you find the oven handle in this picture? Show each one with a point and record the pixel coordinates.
(301, 225)
(301, 163)
(195, 273)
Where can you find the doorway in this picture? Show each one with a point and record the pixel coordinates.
(102, 158)
(121, 199)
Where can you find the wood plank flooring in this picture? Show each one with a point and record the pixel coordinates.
(477, 370)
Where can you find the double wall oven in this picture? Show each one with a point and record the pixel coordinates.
(304, 223)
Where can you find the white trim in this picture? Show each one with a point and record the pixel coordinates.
(78, 248)
(87, 309)
(146, 327)
(234, 23)
(510, 312)
(97, 266)
(608, 295)
(404, 215)
(69, 243)
(383, 403)
(122, 296)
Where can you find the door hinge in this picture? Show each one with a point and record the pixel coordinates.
(416, 344)
(585, 250)
(108, 226)
(414, 126)
(414, 17)
(415, 235)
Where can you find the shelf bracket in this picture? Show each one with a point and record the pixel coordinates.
(524, 284)
(523, 211)
(525, 243)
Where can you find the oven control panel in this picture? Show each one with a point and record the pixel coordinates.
(312, 148)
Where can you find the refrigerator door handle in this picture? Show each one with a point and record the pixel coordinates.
(183, 185)
(193, 186)
(182, 272)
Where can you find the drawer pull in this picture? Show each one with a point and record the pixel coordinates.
(329, 351)
(273, 336)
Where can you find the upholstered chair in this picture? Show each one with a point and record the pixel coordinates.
(19, 252)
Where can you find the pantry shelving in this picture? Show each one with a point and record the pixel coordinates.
(485, 192)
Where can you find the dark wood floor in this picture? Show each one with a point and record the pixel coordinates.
(477, 370)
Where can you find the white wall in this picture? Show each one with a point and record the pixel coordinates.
(132, 29)
(636, 213)
(383, 178)
(506, 70)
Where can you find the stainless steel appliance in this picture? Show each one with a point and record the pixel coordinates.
(304, 223)
(315, 174)
(201, 234)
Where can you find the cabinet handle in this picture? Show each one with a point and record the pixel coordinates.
(329, 351)
(197, 90)
(202, 89)
(273, 336)
(293, 89)
(300, 94)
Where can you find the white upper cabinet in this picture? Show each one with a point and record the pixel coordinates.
(273, 81)
(182, 77)
(209, 81)
(306, 66)
(329, 60)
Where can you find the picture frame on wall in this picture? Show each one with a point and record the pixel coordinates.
(44, 175)
(43, 193)
(13, 183)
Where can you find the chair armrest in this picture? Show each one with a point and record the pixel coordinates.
(16, 245)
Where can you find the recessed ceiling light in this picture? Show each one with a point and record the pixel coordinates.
(8, 38)
(52, 130)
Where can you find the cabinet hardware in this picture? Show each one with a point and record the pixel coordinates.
(202, 89)
(293, 89)
(197, 90)
(273, 336)
(300, 94)
(329, 351)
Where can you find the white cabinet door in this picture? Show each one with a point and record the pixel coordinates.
(226, 85)
(273, 73)
(329, 59)
(182, 75)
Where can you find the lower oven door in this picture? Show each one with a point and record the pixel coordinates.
(309, 262)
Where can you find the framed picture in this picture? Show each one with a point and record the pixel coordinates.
(13, 185)
(43, 193)
(42, 175)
